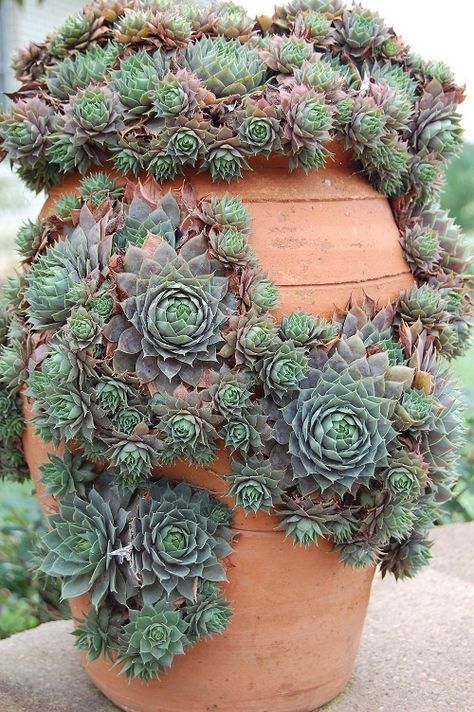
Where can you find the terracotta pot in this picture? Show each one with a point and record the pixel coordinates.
(297, 613)
(297, 620)
(321, 237)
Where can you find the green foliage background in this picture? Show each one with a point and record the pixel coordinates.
(26, 600)
(458, 198)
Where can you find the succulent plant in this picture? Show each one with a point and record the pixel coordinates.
(404, 559)
(437, 126)
(133, 27)
(254, 484)
(179, 93)
(185, 141)
(64, 264)
(424, 303)
(12, 361)
(317, 27)
(207, 617)
(65, 206)
(93, 115)
(360, 31)
(226, 211)
(262, 293)
(135, 81)
(225, 156)
(103, 304)
(249, 338)
(421, 249)
(79, 70)
(405, 475)
(385, 518)
(230, 395)
(67, 475)
(81, 544)
(282, 369)
(284, 54)
(78, 32)
(306, 331)
(225, 66)
(151, 639)
(83, 329)
(171, 320)
(112, 395)
(98, 632)
(308, 119)
(246, 431)
(230, 246)
(368, 124)
(132, 457)
(338, 428)
(359, 554)
(259, 127)
(416, 409)
(174, 542)
(230, 20)
(188, 425)
(128, 155)
(171, 29)
(97, 187)
(305, 521)
(141, 219)
(25, 130)
(28, 238)
(453, 247)
(62, 412)
(440, 71)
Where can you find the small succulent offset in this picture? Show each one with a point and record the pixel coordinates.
(144, 328)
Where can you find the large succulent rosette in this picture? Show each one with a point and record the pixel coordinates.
(338, 430)
(175, 309)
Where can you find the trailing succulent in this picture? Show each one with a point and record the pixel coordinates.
(174, 88)
(141, 322)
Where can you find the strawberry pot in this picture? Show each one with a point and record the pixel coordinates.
(229, 380)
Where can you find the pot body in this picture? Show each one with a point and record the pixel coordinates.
(321, 237)
(297, 613)
(297, 620)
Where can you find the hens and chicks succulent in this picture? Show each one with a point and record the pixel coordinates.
(169, 87)
(141, 321)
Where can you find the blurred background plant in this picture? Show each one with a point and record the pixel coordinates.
(25, 599)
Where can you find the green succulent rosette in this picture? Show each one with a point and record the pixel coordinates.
(151, 639)
(171, 321)
(82, 547)
(207, 617)
(98, 633)
(338, 429)
(65, 264)
(254, 484)
(174, 542)
(225, 66)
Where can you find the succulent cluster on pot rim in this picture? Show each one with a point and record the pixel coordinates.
(169, 87)
(141, 321)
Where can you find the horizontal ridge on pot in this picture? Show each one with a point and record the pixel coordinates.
(321, 237)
